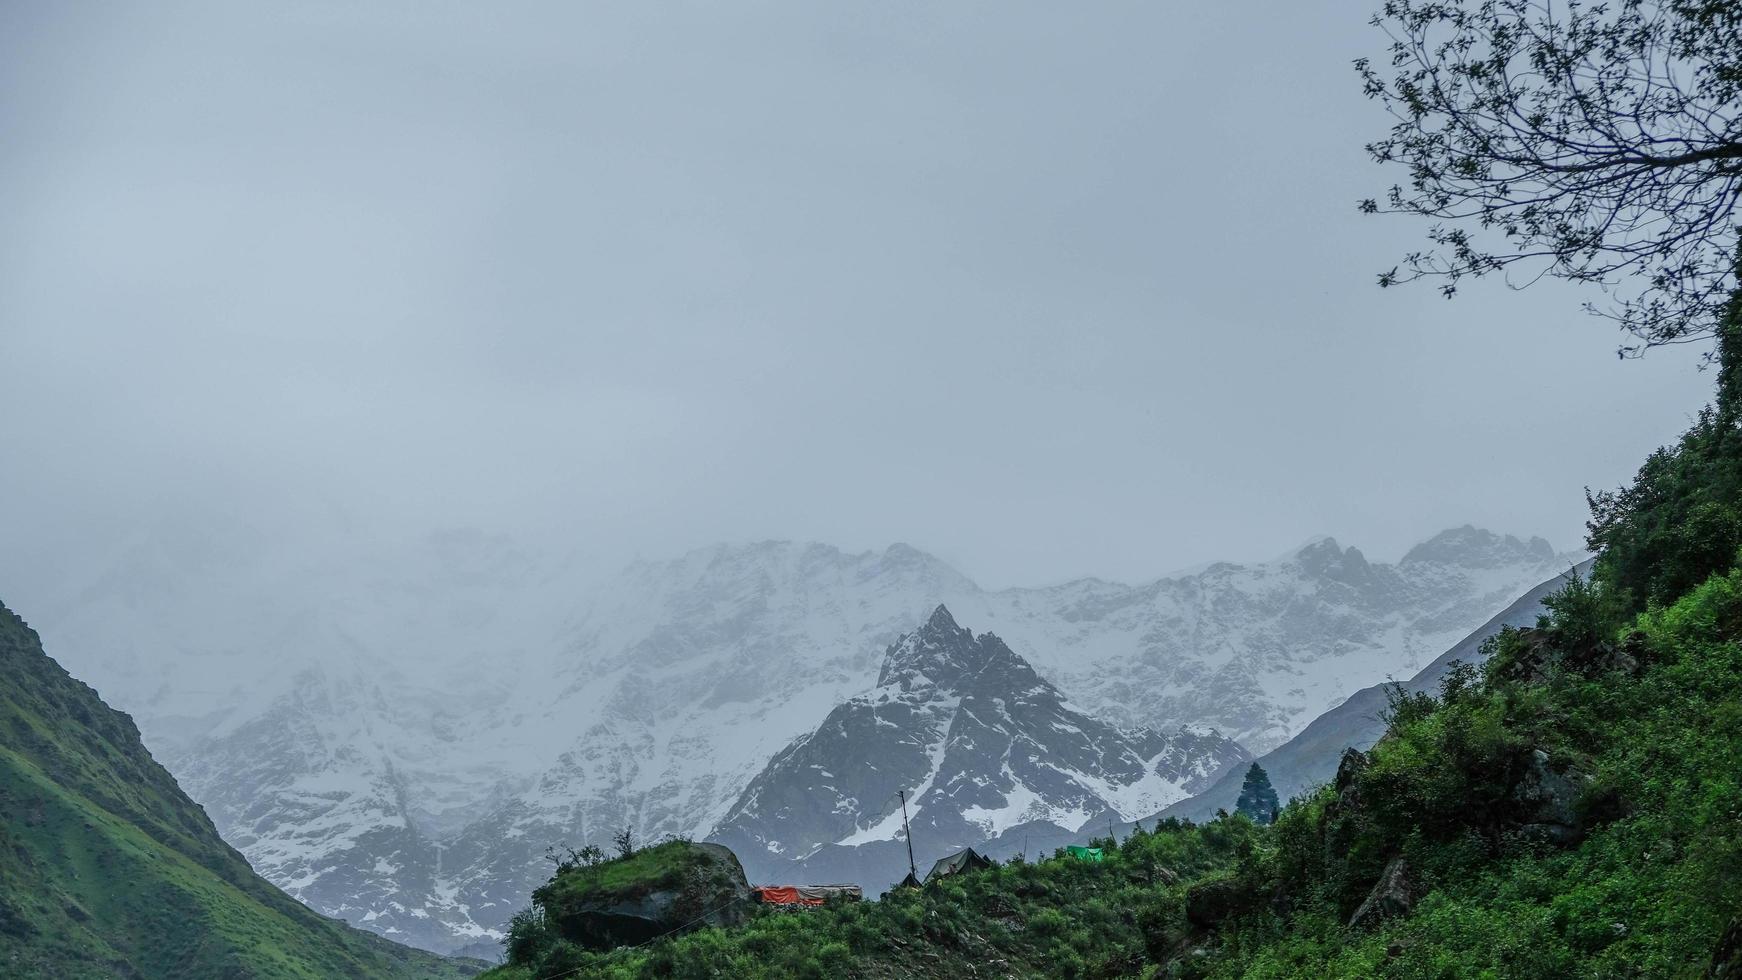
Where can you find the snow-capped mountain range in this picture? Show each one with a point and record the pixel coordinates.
(396, 738)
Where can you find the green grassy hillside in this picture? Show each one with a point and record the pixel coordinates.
(108, 870)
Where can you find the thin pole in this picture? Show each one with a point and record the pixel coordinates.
(912, 868)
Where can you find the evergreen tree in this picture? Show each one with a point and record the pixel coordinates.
(1257, 796)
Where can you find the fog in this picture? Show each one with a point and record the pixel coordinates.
(1045, 291)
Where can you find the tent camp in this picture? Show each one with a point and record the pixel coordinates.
(805, 894)
(966, 859)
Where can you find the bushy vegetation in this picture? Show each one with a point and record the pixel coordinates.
(1571, 808)
(1058, 918)
(1646, 887)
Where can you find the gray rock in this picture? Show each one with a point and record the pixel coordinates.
(1393, 895)
(1551, 795)
(1343, 812)
(1349, 768)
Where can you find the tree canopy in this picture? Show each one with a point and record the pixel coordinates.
(1599, 143)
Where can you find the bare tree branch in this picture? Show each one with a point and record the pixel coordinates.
(1596, 142)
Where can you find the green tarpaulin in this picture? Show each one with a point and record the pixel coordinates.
(1085, 853)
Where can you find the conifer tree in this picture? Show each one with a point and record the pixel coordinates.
(1257, 796)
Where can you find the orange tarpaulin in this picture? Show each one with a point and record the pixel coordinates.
(804, 894)
(785, 895)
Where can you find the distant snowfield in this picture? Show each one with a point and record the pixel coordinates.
(396, 737)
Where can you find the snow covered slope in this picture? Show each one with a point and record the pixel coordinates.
(398, 735)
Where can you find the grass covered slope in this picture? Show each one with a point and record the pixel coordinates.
(107, 869)
(1632, 867)
(1059, 918)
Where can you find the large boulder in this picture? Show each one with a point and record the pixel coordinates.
(1349, 768)
(1530, 658)
(658, 891)
(1212, 903)
(1550, 796)
(1393, 895)
(1342, 818)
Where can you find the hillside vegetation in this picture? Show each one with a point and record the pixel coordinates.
(1572, 808)
(108, 870)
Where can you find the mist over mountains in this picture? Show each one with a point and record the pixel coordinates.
(397, 736)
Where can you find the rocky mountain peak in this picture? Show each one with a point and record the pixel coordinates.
(1324, 559)
(981, 748)
(1318, 549)
(951, 658)
(942, 622)
(1473, 547)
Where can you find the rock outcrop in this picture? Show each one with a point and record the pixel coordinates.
(1539, 655)
(1342, 820)
(660, 891)
(1551, 795)
(1393, 895)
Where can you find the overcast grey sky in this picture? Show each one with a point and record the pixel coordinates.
(1046, 289)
